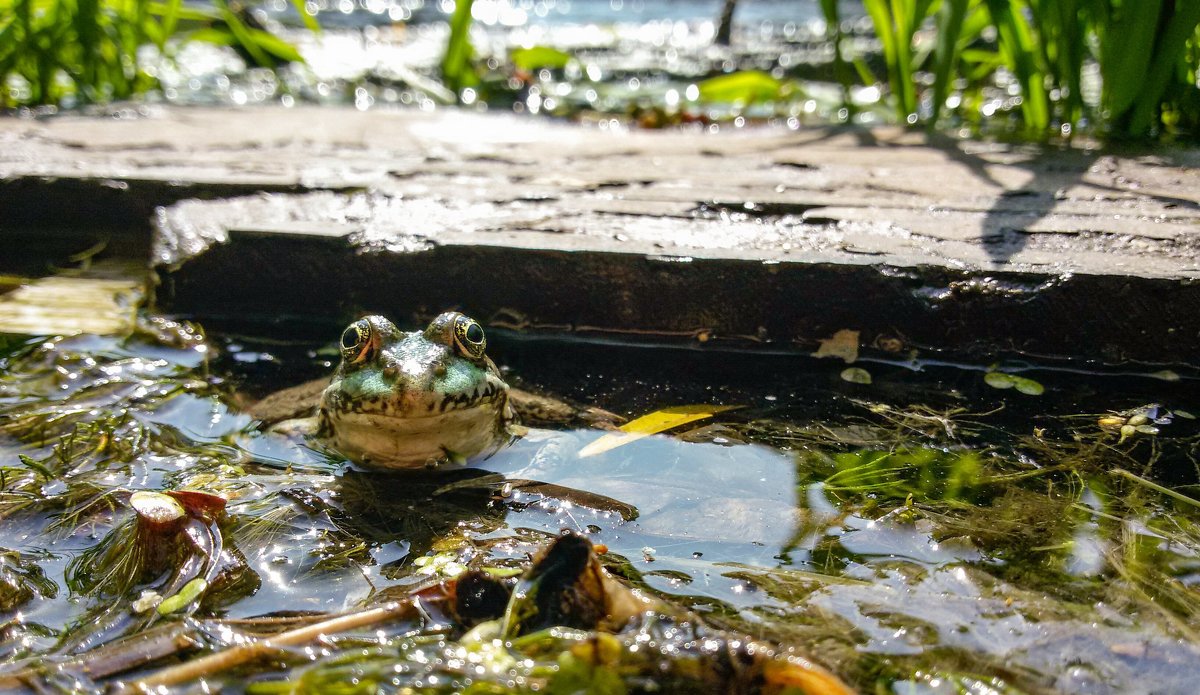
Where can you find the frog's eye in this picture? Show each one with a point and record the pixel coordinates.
(356, 342)
(469, 338)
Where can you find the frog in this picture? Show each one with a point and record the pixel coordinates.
(426, 420)
(416, 399)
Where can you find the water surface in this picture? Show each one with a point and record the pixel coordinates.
(917, 533)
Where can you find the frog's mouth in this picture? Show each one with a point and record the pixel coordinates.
(451, 428)
(489, 394)
(414, 404)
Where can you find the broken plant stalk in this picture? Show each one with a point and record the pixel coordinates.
(243, 653)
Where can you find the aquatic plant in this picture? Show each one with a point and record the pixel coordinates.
(72, 52)
(1147, 55)
(458, 62)
(566, 626)
(924, 518)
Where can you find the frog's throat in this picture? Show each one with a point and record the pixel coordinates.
(387, 441)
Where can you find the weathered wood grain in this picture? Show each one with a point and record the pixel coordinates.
(756, 232)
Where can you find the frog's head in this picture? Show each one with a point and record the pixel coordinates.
(402, 399)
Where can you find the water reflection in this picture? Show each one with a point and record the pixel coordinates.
(724, 504)
(627, 56)
(694, 500)
(890, 548)
(515, 13)
(960, 607)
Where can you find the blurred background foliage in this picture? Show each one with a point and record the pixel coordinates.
(1120, 69)
(1147, 53)
(75, 52)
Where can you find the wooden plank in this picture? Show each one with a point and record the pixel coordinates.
(752, 232)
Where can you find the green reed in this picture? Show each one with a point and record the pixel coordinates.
(458, 67)
(1147, 53)
(50, 49)
(66, 52)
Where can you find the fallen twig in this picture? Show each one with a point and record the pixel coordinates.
(243, 653)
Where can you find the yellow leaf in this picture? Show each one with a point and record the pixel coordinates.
(646, 425)
(843, 344)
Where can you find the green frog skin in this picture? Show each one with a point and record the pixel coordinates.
(414, 399)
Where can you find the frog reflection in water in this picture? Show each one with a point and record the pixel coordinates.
(415, 399)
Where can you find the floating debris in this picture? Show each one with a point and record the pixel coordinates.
(842, 345)
(1000, 380)
(856, 375)
(653, 423)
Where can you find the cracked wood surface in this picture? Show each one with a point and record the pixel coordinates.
(763, 236)
(854, 196)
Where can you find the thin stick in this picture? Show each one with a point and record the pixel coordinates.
(242, 653)
(1156, 487)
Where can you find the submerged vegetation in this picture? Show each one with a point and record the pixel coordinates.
(968, 541)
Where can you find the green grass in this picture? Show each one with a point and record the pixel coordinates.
(1147, 52)
(53, 49)
(944, 59)
(71, 52)
(458, 66)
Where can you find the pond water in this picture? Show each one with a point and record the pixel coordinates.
(629, 58)
(927, 532)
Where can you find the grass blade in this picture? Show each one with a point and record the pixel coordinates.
(1018, 47)
(1171, 46)
(242, 33)
(1125, 54)
(458, 71)
(833, 34)
(949, 31)
(305, 16)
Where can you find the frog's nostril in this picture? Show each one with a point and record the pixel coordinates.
(439, 370)
(391, 371)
